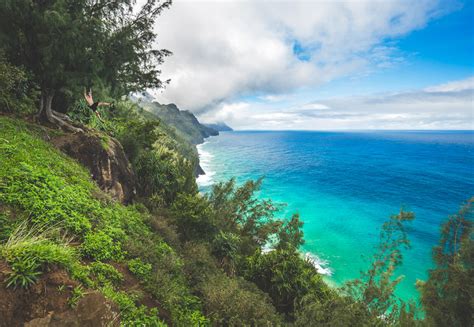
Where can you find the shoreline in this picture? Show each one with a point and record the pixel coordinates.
(206, 180)
(205, 157)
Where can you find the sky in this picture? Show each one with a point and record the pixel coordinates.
(321, 65)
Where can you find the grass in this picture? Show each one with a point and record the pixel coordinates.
(54, 202)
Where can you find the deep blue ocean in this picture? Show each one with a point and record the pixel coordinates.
(346, 184)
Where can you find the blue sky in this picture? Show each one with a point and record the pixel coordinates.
(322, 64)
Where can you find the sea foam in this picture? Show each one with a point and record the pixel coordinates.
(205, 159)
(318, 263)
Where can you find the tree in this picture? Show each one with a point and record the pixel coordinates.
(225, 247)
(290, 235)
(193, 217)
(240, 211)
(376, 286)
(286, 277)
(67, 44)
(447, 295)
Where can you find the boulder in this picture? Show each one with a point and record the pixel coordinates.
(104, 157)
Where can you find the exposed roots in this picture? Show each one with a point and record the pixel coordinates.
(64, 122)
(54, 117)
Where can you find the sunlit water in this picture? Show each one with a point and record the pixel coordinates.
(345, 185)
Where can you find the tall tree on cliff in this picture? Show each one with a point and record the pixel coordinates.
(448, 294)
(66, 44)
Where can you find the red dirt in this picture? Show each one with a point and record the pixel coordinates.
(46, 303)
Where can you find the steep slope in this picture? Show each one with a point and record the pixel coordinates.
(54, 218)
(184, 121)
(104, 157)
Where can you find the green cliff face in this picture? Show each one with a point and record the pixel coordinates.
(184, 121)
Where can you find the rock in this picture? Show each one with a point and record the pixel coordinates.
(105, 159)
(199, 171)
(46, 304)
(93, 310)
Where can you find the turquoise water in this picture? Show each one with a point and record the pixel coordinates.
(345, 185)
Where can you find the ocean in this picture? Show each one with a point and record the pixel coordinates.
(346, 184)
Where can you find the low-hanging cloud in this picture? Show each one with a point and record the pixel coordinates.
(224, 50)
(446, 106)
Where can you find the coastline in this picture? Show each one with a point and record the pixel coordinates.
(205, 158)
(207, 179)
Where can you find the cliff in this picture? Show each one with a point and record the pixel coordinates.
(183, 121)
(104, 157)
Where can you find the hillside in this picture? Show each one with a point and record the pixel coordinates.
(102, 222)
(184, 121)
(55, 220)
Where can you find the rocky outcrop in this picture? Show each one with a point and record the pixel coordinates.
(105, 159)
(47, 304)
(93, 310)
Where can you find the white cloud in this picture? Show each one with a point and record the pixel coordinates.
(447, 106)
(314, 106)
(226, 49)
(273, 97)
(465, 84)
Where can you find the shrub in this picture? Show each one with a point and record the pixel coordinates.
(225, 247)
(29, 249)
(131, 314)
(139, 268)
(24, 272)
(100, 246)
(193, 216)
(77, 294)
(17, 92)
(334, 311)
(286, 277)
(235, 302)
(47, 197)
(105, 273)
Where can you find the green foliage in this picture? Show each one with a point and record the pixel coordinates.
(376, 287)
(38, 190)
(80, 113)
(29, 249)
(131, 314)
(290, 235)
(71, 44)
(77, 294)
(160, 175)
(16, 90)
(235, 302)
(7, 224)
(164, 163)
(140, 269)
(225, 247)
(334, 310)
(100, 246)
(105, 273)
(24, 272)
(193, 217)
(447, 295)
(52, 189)
(285, 276)
(238, 210)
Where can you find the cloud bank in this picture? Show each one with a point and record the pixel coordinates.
(446, 106)
(224, 50)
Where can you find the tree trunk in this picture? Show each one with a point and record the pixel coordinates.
(46, 112)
